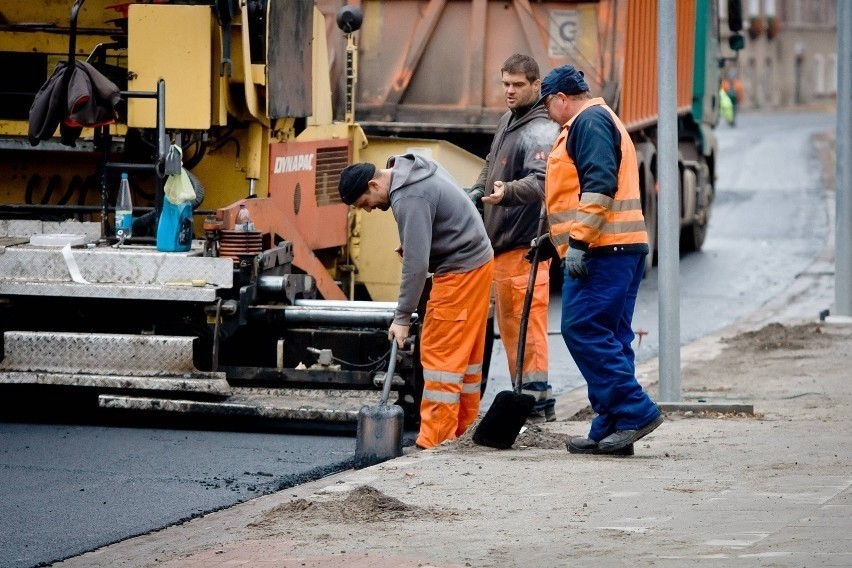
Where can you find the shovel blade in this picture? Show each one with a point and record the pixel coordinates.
(379, 436)
(500, 426)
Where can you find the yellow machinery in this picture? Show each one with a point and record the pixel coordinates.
(287, 319)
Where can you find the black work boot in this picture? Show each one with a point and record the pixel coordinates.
(624, 438)
(580, 445)
(550, 414)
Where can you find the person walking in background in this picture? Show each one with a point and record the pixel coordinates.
(596, 223)
(733, 87)
(440, 233)
(726, 106)
(511, 189)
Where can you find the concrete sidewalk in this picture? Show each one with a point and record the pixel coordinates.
(769, 489)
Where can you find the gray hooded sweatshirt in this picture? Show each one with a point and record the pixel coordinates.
(439, 227)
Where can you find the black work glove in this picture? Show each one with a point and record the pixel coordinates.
(546, 249)
(475, 194)
(575, 264)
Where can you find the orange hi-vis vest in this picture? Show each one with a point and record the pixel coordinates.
(593, 218)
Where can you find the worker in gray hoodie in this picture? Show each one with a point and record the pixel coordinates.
(440, 233)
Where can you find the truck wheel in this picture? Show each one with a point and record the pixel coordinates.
(692, 236)
(649, 211)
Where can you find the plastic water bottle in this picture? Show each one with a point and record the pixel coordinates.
(124, 210)
(244, 222)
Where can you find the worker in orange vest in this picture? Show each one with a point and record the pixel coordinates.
(595, 212)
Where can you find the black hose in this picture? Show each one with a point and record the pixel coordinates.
(199, 189)
(90, 182)
(75, 184)
(34, 182)
(197, 155)
(52, 185)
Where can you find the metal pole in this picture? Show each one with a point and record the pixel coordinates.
(669, 217)
(843, 194)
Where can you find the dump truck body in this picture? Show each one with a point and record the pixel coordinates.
(434, 66)
(433, 69)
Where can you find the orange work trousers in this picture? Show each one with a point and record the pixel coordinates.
(452, 347)
(511, 279)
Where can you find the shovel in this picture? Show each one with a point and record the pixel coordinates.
(500, 426)
(379, 436)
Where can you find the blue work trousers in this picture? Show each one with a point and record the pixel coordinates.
(597, 314)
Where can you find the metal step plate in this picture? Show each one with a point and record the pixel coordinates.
(268, 404)
(141, 362)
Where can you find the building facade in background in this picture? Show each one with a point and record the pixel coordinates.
(790, 54)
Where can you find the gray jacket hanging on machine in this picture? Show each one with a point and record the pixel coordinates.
(89, 101)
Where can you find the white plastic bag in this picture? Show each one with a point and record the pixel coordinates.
(178, 188)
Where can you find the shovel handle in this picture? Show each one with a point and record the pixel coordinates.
(389, 376)
(525, 312)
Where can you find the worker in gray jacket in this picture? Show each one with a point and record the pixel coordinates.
(440, 233)
(511, 187)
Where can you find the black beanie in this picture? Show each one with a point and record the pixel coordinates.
(353, 181)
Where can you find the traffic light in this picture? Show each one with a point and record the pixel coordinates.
(735, 15)
(736, 42)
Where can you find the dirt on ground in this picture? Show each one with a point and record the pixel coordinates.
(530, 436)
(777, 337)
(773, 345)
(364, 504)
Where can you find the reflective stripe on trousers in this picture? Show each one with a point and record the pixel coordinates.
(511, 279)
(451, 351)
